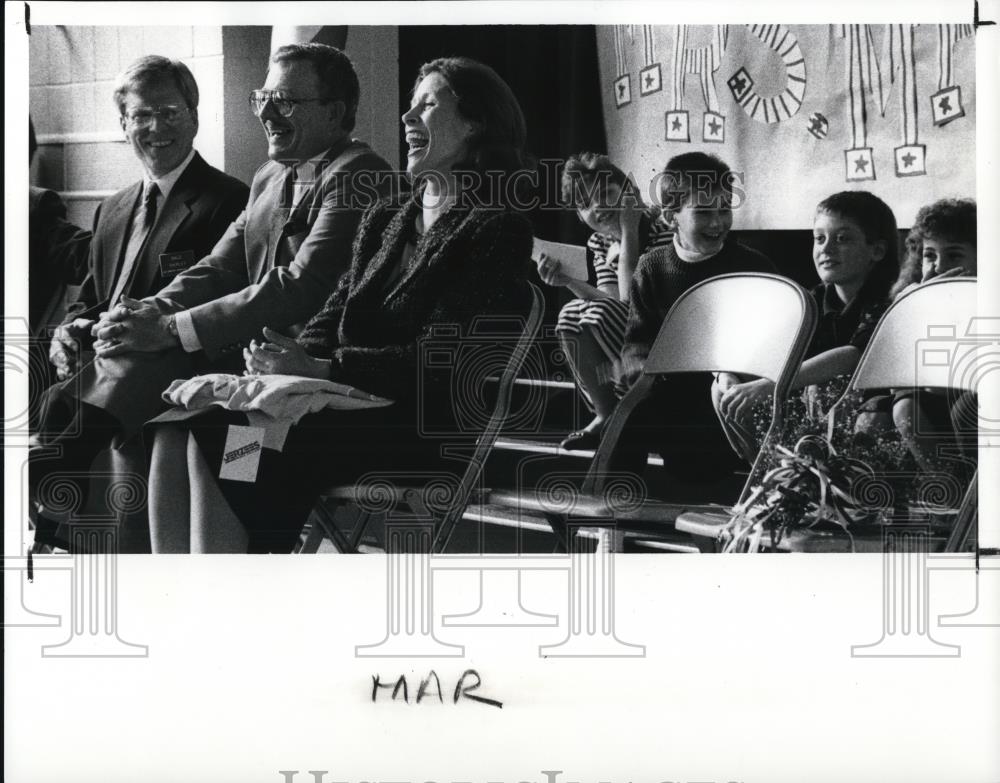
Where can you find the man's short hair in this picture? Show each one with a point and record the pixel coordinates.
(337, 78)
(151, 69)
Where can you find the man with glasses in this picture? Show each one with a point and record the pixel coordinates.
(147, 233)
(275, 266)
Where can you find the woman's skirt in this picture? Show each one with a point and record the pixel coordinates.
(324, 448)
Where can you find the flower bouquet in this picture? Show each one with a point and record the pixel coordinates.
(811, 484)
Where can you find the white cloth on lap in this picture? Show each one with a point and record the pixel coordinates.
(280, 396)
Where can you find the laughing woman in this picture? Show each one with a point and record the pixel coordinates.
(440, 257)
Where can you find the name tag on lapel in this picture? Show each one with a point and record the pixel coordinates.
(173, 263)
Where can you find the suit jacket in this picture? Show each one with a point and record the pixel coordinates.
(57, 252)
(202, 203)
(276, 265)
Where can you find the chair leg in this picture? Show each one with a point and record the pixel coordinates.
(325, 520)
(359, 529)
(562, 532)
(616, 540)
(964, 533)
(313, 538)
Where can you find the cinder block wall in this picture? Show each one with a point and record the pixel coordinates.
(82, 151)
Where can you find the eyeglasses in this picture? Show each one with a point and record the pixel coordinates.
(282, 104)
(143, 116)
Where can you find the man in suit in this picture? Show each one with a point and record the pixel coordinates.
(190, 203)
(57, 254)
(57, 258)
(143, 237)
(57, 250)
(275, 266)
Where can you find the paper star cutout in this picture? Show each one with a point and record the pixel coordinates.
(676, 124)
(908, 159)
(945, 105)
(816, 124)
(713, 126)
(621, 89)
(739, 83)
(649, 80)
(861, 164)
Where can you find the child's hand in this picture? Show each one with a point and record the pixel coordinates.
(630, 213)
(739, 400)
(550, 270)
(955, 271)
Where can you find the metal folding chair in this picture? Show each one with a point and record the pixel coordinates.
(929, 337)
(445, 502)
(752, 324)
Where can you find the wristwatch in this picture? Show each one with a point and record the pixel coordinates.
(172, 326)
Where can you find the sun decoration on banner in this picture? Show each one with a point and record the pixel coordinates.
(786, 104)
(870, 78)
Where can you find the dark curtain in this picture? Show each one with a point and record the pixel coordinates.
(553, 72)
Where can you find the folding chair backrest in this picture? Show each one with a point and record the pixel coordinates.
(501, 410)
(745, 323)
(756, 324)
(930, 336)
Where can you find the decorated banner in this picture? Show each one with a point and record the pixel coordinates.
(801, 110)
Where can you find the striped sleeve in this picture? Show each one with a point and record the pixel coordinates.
(606, 270)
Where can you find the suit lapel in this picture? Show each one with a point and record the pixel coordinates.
(173, 214)
(262, 220)
(280, 223)
(118, 219)
(175, 210)
(288, 221)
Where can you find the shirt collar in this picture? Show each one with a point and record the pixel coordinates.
(690, 256)
(166, 182)
(310, 168)
(832, 304)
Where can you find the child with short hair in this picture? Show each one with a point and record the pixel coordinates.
(941, 243)
(591, 327)
(855, 251)
(697, 194)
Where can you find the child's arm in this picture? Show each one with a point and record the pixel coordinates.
(739, 399)
(644, 322)
(629, 249)
(551, 273)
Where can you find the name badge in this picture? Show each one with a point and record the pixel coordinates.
(173, 263)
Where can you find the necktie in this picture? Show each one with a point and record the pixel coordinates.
(136, 240)
(282, 222)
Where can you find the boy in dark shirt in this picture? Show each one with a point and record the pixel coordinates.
(855, 250)
(678, 420)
